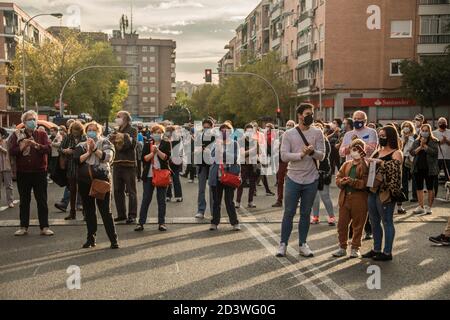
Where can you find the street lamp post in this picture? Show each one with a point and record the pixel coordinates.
(320, 65)
(25, 28)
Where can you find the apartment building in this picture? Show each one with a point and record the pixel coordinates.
(153, 84)
(13, 20)
(358, 47)
(187, 87)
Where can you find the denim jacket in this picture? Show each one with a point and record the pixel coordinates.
(228, 153)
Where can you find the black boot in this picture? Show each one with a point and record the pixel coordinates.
(90, 243)
(71, 216)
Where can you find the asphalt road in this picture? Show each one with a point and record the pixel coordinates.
(190, 262)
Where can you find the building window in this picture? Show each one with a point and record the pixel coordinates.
(401, 29)
(152, 49)
(152, 69)
(152, 99)
(145, 99)
(144, 69)
(322, 32)
(145, 89)
(119, 59)
(152, 110)
(144, 48)
(131, 50)
(144, 79)
(152, 79)
(152, 89)
(144, 59)
(152, 59)
(130, 59)
(434, 25)
(395, 68)
(118, 48)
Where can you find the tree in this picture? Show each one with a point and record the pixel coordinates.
(177, 114)
(242, 99)
(427, 82)
(51, 64)
(118, 98)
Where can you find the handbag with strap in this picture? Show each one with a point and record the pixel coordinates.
(99, 188)
(162, 178)
(321, 173)
(229, 179)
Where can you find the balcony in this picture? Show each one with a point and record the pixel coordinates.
(435, 39)
(301, 84)
(11, 30)
(431, 2)
(275, 42)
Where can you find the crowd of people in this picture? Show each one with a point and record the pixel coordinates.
(372, 165)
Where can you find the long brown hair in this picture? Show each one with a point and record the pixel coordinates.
(431, 137)
(392, 137)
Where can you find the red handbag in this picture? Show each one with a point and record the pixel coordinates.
(229, 179)
(162, 178)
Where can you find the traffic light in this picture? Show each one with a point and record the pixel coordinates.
(208, 75)
(278, 113)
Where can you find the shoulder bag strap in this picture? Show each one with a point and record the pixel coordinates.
(307, 144)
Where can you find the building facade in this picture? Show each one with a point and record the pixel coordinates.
(13, 20)
(187, 87)
(351, 51)
(153, 85)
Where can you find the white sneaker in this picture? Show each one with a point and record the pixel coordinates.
(237, 227)
(355, 253)
(178, 200)
(305, 251)
(428, 210)
(213, 227)
(419, 210)
(47, 232)
(237, 205)
(190, 181)
(200, 216)
(340, 253)
(21, 232)
(282, 250)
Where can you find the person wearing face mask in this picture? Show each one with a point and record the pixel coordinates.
(302, 147)
(155, 155)
(55, 140)
(333, 138)
(383, 194)
(282, 170)
(408, 132)
(94, 158)
(75, 136)
(419, 120)
(352, 181)
(249, 152)
(226, 155)
(6, 168)
(204, 140)
(443, 135)
(124, 172)
(360, 131)
(176, 162)
(425, 150)
(31, 149)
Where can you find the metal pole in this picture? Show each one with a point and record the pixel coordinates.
(254, 75)
(320, 68)
(24, 78)
(61, 105)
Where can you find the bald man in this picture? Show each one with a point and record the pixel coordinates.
(360, 131)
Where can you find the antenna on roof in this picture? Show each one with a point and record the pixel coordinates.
(131, 31)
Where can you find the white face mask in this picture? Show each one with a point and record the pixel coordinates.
(355, 155)
(119, 122)
(406, 130)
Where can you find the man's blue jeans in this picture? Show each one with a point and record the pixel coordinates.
(306, 193)
(381, 213)
(202, 174)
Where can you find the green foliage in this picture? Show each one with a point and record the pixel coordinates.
(118, 98)
(427, 82)
(177, 114)
(242, 99)
(51, 64)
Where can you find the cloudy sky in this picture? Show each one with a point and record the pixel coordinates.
(201, 28)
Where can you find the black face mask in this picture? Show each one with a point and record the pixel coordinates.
(383, 142)
(443, 126)
(308, 120)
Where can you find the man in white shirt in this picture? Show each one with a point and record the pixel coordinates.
(360, 131)
(443, 134)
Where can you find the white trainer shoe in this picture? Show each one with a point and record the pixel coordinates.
(21, 232)
(200, 216)
(282, 250)
(419, 210)
(428, 210)
(306, 251)
(213, 227)
(47, 232)
(355, 253)
(340, 253)
(237, 227)
(237, 205)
